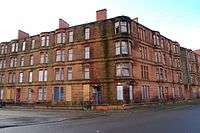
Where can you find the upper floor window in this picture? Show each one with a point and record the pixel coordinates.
(87, 33)
(45, 41)
(31, 60)
(59, 72)
(11, 77)
(13, 62)
(14, 47)
(160, 73)
(32, 44)
(70, 54)
(158, 57)
(42, 75)
(30, 78)
(4, 49)
(22, 61)
(156, 40)
(2, 64)
(86, 72)
(60, 55)
(143, 52)
(144, 72)
(87, 52)
(23, 46)
(21, 76)
(122, 27)
(44, 58)
(123, 69)
(71, 36)
(69, 73)
(122, 48)
(61, 38)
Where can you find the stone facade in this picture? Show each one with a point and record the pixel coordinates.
(113, 60)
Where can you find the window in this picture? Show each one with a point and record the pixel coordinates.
(29, 93)
(70, 54)
(42, 75)
(69, 73)
(120, 92)
(161, 92)
(42, 93)
(13, 62)
(143, 52)
(87, 33)
(61, 38)
(2, 64)
(31, 60)
(156, 40)
(58, 93)
(87, 72)
(45, 41)
(60, 55)
(71, 36)
(1, 93)
(32, 44)
(59, 72)
(87, 52)
(30, 79)
(2, 78)
(145, 92)
(122, 48)
(122, 27)
(14, 47)
(21, 76)
(158, 57)
(11, 77)
(23, 46)
(160, 73)
(44, 58)
(144, 72)
(123, 70)
(22, 61)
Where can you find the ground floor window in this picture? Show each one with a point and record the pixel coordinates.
(42, 93)
(1, 93)
(161, 92)
(120, 92)
(145, 92)
(131, 92)
(29, 93)
(58, 93)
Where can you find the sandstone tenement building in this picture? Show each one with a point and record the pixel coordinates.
(112, 60)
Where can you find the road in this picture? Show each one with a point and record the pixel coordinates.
(181, 120)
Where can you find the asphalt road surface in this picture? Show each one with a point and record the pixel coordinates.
(181, 120)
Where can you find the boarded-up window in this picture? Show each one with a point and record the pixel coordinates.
(86, 92)
(68, 93)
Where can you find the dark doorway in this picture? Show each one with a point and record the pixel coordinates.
(18, 91)
(97, 94)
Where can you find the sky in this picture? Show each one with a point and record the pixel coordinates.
(178, 20)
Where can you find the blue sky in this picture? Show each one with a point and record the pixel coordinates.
(178, 20)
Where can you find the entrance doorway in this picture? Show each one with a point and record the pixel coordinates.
(97, 94)
(18, 95)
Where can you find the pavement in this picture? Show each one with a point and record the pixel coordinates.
(183, 119)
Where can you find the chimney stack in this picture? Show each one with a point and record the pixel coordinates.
(22, 34)
(63, 24)
(101, 14)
